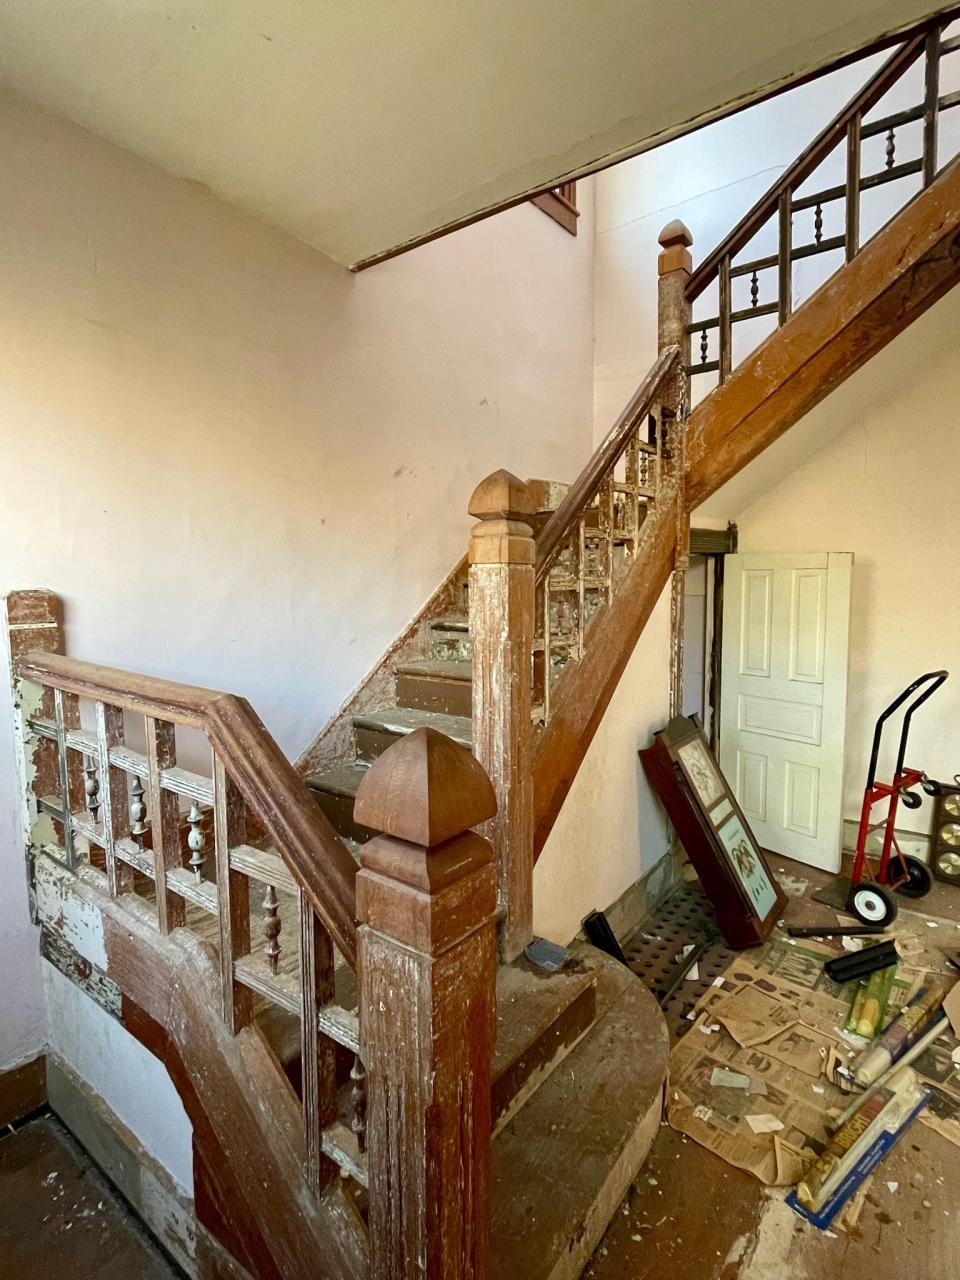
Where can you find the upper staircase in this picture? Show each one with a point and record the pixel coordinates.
(330, 957)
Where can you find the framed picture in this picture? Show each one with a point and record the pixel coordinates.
(714, 832)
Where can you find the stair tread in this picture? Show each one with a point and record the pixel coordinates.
(341, 780)
(564, 1161)
(402, 720)
(451, 622)
(438, 668)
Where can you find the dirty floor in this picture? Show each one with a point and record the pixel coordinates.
(691, 1216)
(61, 1220)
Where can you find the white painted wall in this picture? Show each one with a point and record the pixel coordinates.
(240, 465)
(873, 470)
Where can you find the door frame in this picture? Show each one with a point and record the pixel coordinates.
(714, 544)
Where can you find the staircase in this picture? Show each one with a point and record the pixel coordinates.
(330, 957)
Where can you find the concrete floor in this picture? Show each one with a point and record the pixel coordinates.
(691, 1216)
(61, 1220)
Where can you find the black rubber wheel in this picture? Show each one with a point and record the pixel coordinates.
(872, 904)
(911, 799)
(931, 786)
(920, 880)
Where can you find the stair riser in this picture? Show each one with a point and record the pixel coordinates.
(339, 810)
(431, 693)
(450, 646)
(526, 1074)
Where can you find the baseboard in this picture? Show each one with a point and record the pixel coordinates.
(912, 842)
(633, 906)
(165, 1209)
(23, 1089)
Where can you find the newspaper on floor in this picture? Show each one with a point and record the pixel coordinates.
(776, 1017)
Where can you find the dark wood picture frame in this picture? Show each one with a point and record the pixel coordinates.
(714, 832)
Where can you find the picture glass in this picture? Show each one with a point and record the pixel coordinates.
(747, 867)
(700, 769)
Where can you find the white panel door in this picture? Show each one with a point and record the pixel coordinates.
(783, 696)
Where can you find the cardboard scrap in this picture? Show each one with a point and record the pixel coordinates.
(951, 1007)
(764, 1123)
(722, 1078)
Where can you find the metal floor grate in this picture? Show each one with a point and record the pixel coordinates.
(683, 918)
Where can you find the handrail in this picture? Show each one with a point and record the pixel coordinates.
(587, 485)
(829, 138)
(312, 851)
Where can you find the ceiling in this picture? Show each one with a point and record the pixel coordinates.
(363, 126)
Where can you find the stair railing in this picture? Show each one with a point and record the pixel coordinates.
(783, 201)
(194, 845)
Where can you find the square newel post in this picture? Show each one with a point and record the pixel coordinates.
(426, 895)
(502, 555)
(673, 319)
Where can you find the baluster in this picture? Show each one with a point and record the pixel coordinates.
(113, 798)
(138, 814)
(165, 810)
(852, 195)
(818, 223)
(196, 841)
(233, 895)
(754, 289)
(67, 716)
(704, 344)
(931, 106)
(317, 1052)
(891, 147)
(271, 927)
(726, 332)
(581, 587)
(785, 256)
(358, 1102)
(91, 787)
(606, 521)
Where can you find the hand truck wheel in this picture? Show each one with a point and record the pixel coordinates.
(911, 800)
(919, 881)
(872, 904)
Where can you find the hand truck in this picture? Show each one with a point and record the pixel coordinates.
(870, 899)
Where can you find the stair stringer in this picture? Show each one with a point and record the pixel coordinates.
(904, 269)
(246, 1118)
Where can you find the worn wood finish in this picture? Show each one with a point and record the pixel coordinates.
(583, 691)
(22, 1089)
(335, 740)
(501, 557)
(904, 269)
(427, 1013)
(317, 1053)
(587, 485)
(280, 802)
(233, 893)
(829, 137)
(165, 823)
(244, 1113)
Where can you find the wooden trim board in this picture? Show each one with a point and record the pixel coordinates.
(23, 1090)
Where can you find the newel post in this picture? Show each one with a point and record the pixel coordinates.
(426, 895)
(673, 318)
(502, 555)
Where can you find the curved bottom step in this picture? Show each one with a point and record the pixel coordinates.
(562, 1165)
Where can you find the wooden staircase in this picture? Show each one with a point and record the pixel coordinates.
(330, 957)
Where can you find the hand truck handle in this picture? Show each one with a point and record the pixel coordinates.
(937, 678)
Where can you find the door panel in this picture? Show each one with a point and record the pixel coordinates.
(783, 703)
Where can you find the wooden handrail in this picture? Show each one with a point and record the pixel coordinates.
(829, 138)
(312, 851)
(585, 488)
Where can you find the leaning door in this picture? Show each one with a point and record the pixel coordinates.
(783, 694)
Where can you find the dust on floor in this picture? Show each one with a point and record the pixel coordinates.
(691, 1216)
(60, 1219)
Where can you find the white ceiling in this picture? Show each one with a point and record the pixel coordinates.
(364, 125)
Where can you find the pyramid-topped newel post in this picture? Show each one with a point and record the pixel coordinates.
(502, 555)
(426, 898)
(674, 267)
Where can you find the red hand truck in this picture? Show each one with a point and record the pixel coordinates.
(870, 899)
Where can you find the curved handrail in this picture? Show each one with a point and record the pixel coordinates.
(314, 854)
(829, 138)
(587, 485)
